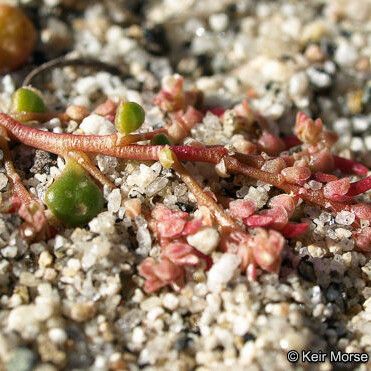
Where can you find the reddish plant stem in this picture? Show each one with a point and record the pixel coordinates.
(203, 198)
(350, 166)
(102, 144)
(18, 188)
(361, 186)
(106, 145)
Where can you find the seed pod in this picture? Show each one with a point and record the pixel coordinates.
(17, 38)
(27, 100)
(74, 198)
(129, 117)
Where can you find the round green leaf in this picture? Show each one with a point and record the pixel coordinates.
(27, 100)
(129, 117)
(74, 198)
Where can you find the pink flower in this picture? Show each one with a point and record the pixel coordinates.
(276, 217)
(171, 228)
(324, 178)
(160, 274)
(266, 247)
(362, 211)
(168, 223)
(337, 190)
(240, 209)
(258, 220)
(237, 242)
(307, 130)
(171, 97)
(284, 200)
(180, 253)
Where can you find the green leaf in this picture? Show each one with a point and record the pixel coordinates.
(74, 198)
(129, 117)
(27, 100)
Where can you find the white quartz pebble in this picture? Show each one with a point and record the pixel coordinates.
(95, 124)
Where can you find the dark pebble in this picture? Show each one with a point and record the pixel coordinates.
(248, 337)
(185, 207)
(155, 40)
(80, 357)
(42, 162)
(182, 342)
(306, 270)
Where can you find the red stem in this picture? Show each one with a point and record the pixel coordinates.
(361, 186)
(107, 145)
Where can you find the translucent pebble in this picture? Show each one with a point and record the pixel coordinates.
(345, 217)
(325, 217)
(114, 200)
(3, 181)
(314, 185)
(143, 237)
(156, 186)
(222, 271)
(95, 124)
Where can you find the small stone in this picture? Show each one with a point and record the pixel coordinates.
(3, 181)
(298, 85)
(154, 313)
(345, 217)
(368, 142)
(205, 240)
(314, 53)
(76, 112)
(81, 312)
(103, 223)
(361, 124)
(139, 337)
(356, 144)
(9, 252)
(87, 85)
(313, 32)
(218, 22)
(150, 303)
(95, 124)
(22, 317)
(222, 271)
(45, 259)
(22, 359)
(170, 301)
(319, 78)
(57, 335)
(346, 54)
(354, 101)
(114, 200)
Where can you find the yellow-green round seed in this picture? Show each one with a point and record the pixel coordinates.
(74, 198)
(27, 100)
(129, 117)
